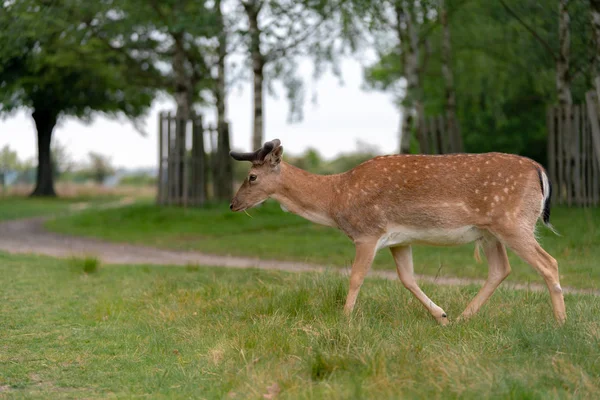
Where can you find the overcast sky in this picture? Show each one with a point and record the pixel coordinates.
(343, 114)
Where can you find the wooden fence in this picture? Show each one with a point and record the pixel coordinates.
(183, 162)
(435, 138)
(574, 151)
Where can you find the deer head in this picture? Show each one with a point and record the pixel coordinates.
(263, 177)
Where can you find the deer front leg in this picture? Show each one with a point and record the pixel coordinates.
(404, 266)
(365, 252)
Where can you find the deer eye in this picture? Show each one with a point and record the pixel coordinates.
(252, 178)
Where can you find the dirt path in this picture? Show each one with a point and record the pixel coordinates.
(29, 236)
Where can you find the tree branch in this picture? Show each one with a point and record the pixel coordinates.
(282, 51)
(123, 51)
(530, 30)
(424, 36)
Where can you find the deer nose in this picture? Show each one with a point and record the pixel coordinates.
(231, 206)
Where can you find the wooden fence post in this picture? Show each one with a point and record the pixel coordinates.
(437, 136)
(222, 165)
(199, 155)
(594, 115)
(585, 156)
(433, 136)
(159, 180)
(170, 160)
(597, 82)
(422, 131)
(576, 154)
(182, 170)
(551, 126)
(594, 119)
(185, 175)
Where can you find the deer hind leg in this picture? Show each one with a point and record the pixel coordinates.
(365, 252)
(529, 250)
(499, 269)
(404, 266)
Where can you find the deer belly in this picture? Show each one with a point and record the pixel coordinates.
(403, 235)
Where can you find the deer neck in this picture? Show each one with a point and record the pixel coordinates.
(305, 194)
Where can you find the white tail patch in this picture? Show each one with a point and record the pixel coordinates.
(545, 190)
(545, 196)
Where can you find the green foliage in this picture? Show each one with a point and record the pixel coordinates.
(138, 180)
(61, 158)
(289, 31)
(156, 332)
(53, 63)
(47, 60)
(150, 32)
(274, 234)
(99, 167)
(9, 159)
(504, 77)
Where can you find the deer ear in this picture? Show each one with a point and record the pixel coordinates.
(274, 157)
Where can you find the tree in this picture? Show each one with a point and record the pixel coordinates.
(403, 56)
(174, 34)
(408, 35)
(52, 66)
(223, 165)
(62, 162)
(100, 167)
(569, 64)
(452, 129)
(9, 159)
(504, 69)
(595, 19)
(252, 9)
(182, 38)
(563, 76)
(277, 32)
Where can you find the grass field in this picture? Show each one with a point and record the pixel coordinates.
(273, 234)
(15, 203)
(15, 207)
(196, 332)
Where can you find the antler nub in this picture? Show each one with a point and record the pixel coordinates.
(258, 155)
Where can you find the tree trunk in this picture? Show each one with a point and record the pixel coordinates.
(258, 63)
(183, 99)
(409, 43)
(595, 16)
(451, 124)
(563, 78)
(183, 83)
(223, 174)
(44, 124)
(405, 120)
(224, 187)
(258, 125)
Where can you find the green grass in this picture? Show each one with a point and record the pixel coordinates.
(273, 234)
(87, 265)
(14, 207)
(200, 332)
(22, 207)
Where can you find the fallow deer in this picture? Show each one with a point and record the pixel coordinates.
(398, 200)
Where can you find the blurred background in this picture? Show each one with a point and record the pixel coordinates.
(153, 95)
